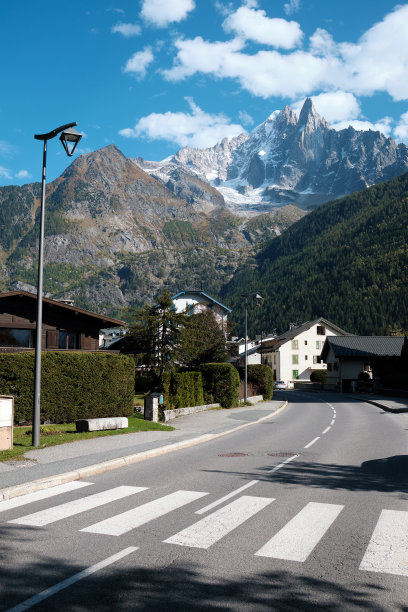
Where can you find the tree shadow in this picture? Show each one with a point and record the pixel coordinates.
(387, 475)
(178, 586)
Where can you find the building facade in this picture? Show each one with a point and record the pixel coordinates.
(296, 353)
(199, 301)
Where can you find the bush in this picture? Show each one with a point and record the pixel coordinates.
(183, 389)
(73, 385)
(319, 376)
(221, 384)
(261, 377)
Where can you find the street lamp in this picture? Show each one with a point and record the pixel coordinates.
(69, 138)
(258, 299)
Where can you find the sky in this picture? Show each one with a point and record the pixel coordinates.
(152, 76)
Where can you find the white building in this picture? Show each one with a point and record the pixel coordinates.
(295, 354)
(199, 301)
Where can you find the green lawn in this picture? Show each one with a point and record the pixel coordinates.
(51, 435)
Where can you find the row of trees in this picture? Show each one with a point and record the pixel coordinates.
(162, 338)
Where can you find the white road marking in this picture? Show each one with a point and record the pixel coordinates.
(122, 523)
(281, 465)
(297, 539)
(312, 442)
(32, 601)
(213, 527)
(387, 550)
(223, 499)
(28, 498)
(327, 429)
(332, 422)
(56, 513)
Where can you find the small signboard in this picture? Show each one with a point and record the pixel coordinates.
(6, 421)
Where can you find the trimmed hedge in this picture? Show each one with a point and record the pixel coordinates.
(183, 389)
(318, 376)
(221, 384)
(73, 385)
(259, 376)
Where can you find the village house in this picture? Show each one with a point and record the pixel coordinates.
(295, 354)
(199, 301)
(65, 327)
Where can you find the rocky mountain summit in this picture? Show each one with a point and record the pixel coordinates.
(289, 160)
(114, 235)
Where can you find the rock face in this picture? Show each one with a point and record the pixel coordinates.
(289, 159)
(115, 235)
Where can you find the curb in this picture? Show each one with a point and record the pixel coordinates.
(385, 407)
(113, 464)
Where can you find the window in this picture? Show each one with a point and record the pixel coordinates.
(305, 342)
(295, 374)
(295, 345)
(67, 340)
(321, 330)
(295, 359)
(16, 337)
(314, 358)
(318, 345)
(335, 366)
(305, 357)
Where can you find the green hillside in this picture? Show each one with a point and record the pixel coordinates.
(346, 261)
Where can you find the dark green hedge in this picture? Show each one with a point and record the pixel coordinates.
(221, 384)
(73, 385)
(318, 376)
(260, 377)
(182, 389)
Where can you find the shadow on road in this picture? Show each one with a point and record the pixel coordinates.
(385, 475)
(182, 587)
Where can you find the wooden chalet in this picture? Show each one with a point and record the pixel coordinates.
(64, 326)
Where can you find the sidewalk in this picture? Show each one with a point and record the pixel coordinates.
(390, 404)
(75, 460)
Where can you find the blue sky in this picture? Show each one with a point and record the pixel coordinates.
(152, 76)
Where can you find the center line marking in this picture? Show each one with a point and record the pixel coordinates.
(32, 601)
(281, 465)
(312, 442)
(332, 422)
(223, 499)
(326, 430)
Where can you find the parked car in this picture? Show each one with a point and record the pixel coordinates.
(279, 385)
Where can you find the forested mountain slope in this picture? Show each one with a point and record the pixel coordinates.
(346, 261)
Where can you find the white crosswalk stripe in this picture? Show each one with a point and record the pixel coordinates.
(215, 526)
(28, 498)
(122, 523)
(296, 540)
(56, 513)
(387, 550)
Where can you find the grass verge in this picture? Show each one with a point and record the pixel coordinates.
(52, 435)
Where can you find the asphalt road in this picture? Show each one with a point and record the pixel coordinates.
(306, 511)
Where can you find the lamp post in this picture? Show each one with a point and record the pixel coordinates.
(258, 299)
(69, 138)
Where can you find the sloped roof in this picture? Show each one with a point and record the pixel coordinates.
(292, 333)
(193, 292)
(105, 321)
(363, 346)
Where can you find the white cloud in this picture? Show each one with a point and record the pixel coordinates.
(245, 118)
(138, 63)
(291, 7)
(255, 25)
(162, 12)
(23, 174)
(126, 29)
(335, 106)
(401, 131)
(7, 149)
(196, 129)
(378, 62)
(5, 173)
(383, 125)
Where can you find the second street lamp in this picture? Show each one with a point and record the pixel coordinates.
(69, 138)
(258, 300)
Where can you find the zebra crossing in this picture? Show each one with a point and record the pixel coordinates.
(386, 551)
